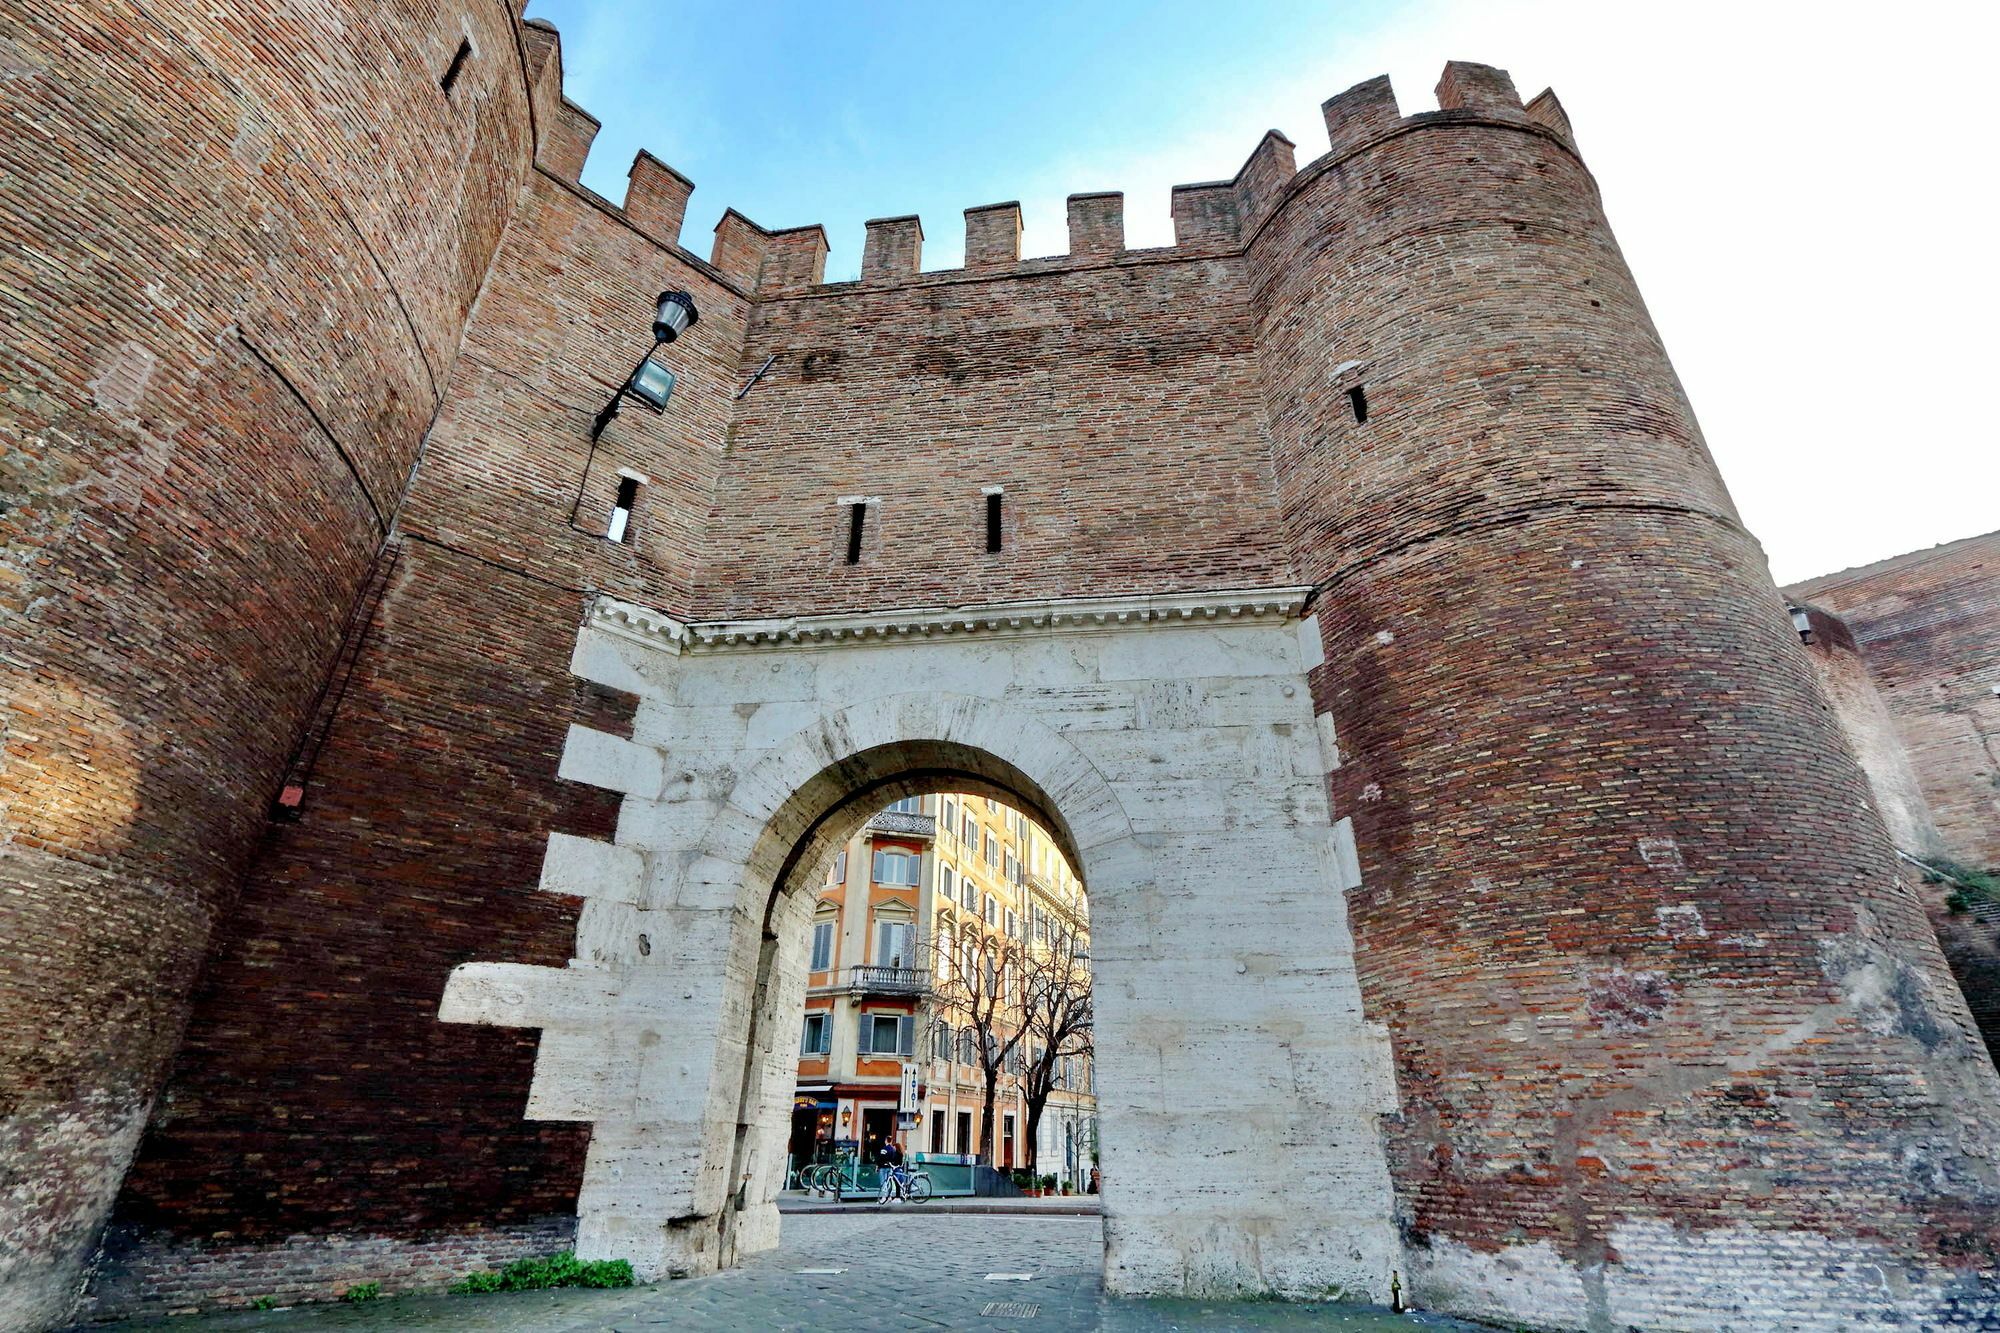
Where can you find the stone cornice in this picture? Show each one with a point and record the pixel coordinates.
(1055, 615)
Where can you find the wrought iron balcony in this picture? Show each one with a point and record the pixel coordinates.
(903, 825)
(888, 980)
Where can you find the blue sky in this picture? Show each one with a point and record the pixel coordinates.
(1799, 187)
(797, 113)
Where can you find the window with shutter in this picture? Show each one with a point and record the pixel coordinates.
(895, 868)
(882, 1034)
(895, 944)
(906, 1035)
(822, 951)
(818, 1036)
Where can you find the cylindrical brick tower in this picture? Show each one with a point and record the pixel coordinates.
(1675, 1046)
(237, 261)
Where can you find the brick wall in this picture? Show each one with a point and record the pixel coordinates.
(136, 1278)
(567, 312)
(232, 289)
(1924, 630)
(1114, 403)
(1843, 677)
(315, 1060)
(1928, 624)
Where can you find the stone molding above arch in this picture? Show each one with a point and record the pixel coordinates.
(679, 635)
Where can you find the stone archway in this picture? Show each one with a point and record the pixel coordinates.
(1170, 746)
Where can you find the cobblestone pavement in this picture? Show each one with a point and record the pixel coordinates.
(897, 1270)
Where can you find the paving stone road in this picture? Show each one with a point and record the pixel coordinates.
(902, 1270)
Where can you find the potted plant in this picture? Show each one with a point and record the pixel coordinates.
(1049, 1183)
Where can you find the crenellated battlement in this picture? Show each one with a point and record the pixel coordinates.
(1210, 217)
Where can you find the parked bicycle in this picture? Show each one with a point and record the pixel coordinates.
(901, 1182)
(825, 1178)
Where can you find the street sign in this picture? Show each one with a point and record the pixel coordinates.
(909, 1102)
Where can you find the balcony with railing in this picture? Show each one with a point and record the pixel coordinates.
(888, 980)
(903, 824)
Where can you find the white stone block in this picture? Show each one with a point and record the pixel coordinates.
(1312, 649)
(1181, 652)
(589, 868)
(677, 728)
(1329, 743)
(1346, 857)
(1088, 707)
(777, 721)
(581, 1076)
(524, 996)
(599, 759)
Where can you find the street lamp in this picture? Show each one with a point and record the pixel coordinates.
(650, 382)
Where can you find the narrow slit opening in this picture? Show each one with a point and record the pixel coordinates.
(621, 509)
(457, 63)
(1357, 398)
(857, 517)
(993, 521)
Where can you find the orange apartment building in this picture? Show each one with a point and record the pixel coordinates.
(881, 1052)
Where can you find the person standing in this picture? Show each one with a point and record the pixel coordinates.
(895, 1180)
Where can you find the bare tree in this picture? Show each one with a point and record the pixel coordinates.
(1056, 1013)
(975, 983)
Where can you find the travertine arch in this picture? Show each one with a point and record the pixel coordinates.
(811, 795)
(908, 744)
(1169, 744)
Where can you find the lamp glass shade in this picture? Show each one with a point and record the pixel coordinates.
(673, 315)
(652, 384)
